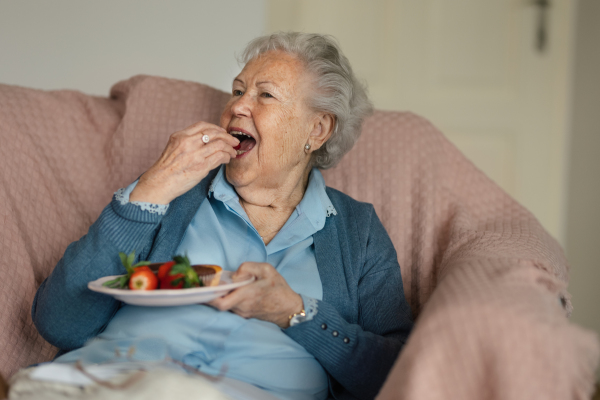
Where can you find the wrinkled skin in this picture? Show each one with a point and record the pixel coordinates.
(268, 298)
(184, 163)
(270, 103)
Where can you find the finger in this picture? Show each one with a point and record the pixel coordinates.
(216, 159)
(213, 147)
(201, 157)
(216, 303)
(259, 270)
(253, 291)
(200, 126)
(219, 304)
(214, 135)
(233, 299)
(181, 142)
(242, 276)
(191, 150)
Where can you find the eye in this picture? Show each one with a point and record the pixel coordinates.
(237, 92)
(267, 95)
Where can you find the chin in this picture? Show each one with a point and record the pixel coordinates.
(236, 173)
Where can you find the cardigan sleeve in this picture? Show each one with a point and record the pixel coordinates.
(359, 356)
(65, 312)
(123, 196)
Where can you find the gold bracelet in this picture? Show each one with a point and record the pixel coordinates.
(301, 313)
(297, 318)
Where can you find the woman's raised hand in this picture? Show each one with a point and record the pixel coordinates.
(268, 298)
(184, 162)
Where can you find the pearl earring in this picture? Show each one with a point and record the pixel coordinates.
(306, 147)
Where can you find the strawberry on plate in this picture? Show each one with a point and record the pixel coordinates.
(172, 281)
(142, 268)
(164, 269)
(178, 274)
(143, 279)
(123, 281)
(168, 281)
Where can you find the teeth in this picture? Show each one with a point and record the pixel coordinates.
(240, 152)
(238, 133)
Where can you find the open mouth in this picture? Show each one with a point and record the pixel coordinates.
(247, 142)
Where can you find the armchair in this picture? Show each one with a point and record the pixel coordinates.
(486, 284)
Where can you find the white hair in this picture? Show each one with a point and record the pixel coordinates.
(337, 91)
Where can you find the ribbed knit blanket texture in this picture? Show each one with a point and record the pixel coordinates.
(486, 283)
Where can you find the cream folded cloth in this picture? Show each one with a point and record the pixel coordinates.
(154, 384)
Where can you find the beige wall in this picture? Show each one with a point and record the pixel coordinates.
(89, 45)
(583, 214)
(472, 69)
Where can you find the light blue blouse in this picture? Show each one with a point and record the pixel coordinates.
(250, 350)
(221, 233)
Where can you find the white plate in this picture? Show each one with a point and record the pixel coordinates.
(169, 297)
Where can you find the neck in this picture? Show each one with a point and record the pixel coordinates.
(269, 207)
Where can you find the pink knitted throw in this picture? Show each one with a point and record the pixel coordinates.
(487, 283)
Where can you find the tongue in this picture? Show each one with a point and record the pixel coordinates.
(246, 145)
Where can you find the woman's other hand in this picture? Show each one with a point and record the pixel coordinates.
(184, 162)
(268, 298)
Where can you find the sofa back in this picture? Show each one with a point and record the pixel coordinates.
(63, 154)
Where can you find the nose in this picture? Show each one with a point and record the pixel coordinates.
(242, 106)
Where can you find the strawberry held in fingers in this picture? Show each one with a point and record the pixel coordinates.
(144, 279)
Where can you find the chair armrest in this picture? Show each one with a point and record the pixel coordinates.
(495, 328)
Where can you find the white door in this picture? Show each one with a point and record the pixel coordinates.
(474, 69)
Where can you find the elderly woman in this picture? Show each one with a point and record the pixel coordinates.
(326, 312)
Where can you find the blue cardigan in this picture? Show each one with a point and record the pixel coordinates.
(360, 326)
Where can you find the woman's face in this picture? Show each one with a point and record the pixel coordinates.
(269, 104)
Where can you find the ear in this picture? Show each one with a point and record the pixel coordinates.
(323, 126)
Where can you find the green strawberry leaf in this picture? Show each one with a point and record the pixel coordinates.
(131, 258)
(118, 283)
(176, 282)
(112, 283)
(178, 269)
(123, 257)
(184, 267)
(192, 277)
(123, 281)
(127, 260)
(184, 260)
(141, 263)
